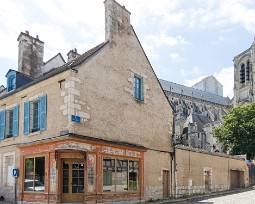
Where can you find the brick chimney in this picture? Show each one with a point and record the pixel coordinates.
(72, 54)
(117, 20)
(30, 55)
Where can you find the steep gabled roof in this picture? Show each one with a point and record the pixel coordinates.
(80, 59)
(59, 54)
(69, 65)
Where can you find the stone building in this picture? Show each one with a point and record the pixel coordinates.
(210, 84)
(196, 113)
(244, 87)
(84, 131)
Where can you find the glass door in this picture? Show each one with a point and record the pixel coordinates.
(72, 180)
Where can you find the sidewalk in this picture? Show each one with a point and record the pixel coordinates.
(202, 197)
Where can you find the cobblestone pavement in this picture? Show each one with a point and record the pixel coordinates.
(247, 197)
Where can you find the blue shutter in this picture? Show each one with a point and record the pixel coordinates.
(16, 121)
(2, 124)
(42, 112)
(141, 89)
(135, 86)
(26, 117)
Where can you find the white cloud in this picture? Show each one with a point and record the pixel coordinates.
(176, 57)
(219, 14)
(170, 19)
(192, 82)
(162, 39)
(144, 10)
(150, 51)
(226, 78)
(55, 39)
(190, 72)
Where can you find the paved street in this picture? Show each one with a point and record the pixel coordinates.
(247, 197)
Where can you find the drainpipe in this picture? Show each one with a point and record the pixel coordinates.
(173, 158)
(174, 176)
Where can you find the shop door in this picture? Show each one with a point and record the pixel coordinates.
(72, 181)
(165, 184)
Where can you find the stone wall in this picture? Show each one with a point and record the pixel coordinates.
(194, 165)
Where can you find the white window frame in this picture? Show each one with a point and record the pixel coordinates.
(5, 170)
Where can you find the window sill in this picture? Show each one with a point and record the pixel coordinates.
(120, 192)
(34, 133)
(139, 100)
(33, 192)
(9, 139)
(7, 187)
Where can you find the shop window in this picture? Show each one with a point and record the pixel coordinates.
(120, 175)
(8, 166)
(133, 176)
(108, 174)
(138, 88)
(35, 115)
(9, 123)
(34, 174)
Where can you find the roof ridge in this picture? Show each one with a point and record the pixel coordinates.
(80, 59)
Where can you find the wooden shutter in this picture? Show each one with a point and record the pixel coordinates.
(2, 124)
(26, 117)
(16, 121)
(135, 87)
(43, 111)
(141, 89)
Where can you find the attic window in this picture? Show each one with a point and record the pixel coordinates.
(11, 81)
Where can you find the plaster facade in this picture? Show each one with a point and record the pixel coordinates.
(199, 172)
(93, 117)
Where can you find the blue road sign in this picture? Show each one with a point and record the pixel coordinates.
(15, 172)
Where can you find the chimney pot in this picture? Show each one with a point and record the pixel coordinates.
(27, 32)
(37, 37)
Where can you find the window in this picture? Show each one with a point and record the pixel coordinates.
(35, 115)
(11, 80)
(242, 74)
(120, 174)
(248, 71)
(9, 123)
(34, 174)
(138, 88)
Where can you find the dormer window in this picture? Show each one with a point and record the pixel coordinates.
(11, 80)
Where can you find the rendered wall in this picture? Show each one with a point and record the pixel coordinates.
(192, 164)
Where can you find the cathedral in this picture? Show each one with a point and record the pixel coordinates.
(244, 77)
(197, 110)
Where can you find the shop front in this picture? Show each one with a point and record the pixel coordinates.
(80, 169)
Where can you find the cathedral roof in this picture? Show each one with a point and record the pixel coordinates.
(193, 93)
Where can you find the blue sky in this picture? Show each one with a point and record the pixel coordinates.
(185, 40)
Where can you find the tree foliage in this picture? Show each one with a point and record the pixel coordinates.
(237, 132)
